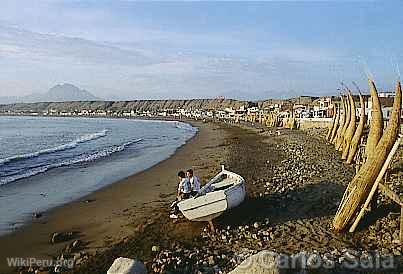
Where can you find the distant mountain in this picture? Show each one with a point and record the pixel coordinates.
(59, 93)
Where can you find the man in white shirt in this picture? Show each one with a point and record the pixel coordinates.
(194, 182)
(184, 188)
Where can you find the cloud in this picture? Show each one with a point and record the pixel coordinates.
(19, 43)
(121, 53)
(32, 62)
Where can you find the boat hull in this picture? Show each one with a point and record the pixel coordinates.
(213, 204)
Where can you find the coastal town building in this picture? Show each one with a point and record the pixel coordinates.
(303, 107)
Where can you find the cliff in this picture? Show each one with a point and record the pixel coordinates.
(141, 105)
(151, 105)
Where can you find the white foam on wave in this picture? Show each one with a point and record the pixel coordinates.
(73, 144)
(184, 126)
(80, 159)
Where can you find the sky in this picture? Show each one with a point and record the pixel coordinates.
(164, 50)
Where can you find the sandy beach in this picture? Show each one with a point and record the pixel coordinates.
(295, 181)
(114, 212)
(288, 113)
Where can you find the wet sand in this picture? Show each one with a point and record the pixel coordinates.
(114, 212)
(294, 182)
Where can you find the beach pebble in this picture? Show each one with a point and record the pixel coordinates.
(59, 237)
(211, 260)
(263, 262)
(41, 272)
(127, 266)
(72, 247)
(155, 248)
(301, 190)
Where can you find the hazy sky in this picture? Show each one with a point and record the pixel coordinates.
(135, 50)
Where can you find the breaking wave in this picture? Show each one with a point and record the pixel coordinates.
(86, 157)
(71, 145)
(184, 126)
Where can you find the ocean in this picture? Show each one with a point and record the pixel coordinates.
(48, 161)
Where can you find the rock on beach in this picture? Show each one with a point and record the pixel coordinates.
(127, 266)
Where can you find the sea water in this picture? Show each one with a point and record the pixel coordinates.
(48, 161)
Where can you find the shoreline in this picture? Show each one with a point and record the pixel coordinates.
(78, 215)
(14, 225)
(294, 181)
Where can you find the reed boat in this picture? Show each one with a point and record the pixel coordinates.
(225, 191)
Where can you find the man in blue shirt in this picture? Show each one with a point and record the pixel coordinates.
(194, 182)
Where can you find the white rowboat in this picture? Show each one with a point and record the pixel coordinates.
(225, 191)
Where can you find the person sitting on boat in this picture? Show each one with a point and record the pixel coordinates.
(184, 192)
(194, 182)
(184, 189)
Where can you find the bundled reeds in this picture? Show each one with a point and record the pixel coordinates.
(348, 136)
(271, 119)
(291, 120)
(329, 133)
(340, 132)
(267, 120)
(358, 133)
(376, 124)
(336, 126)
(360, 186)
(342, 118)
(275, 120)
(346, 124)
(261, 118)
